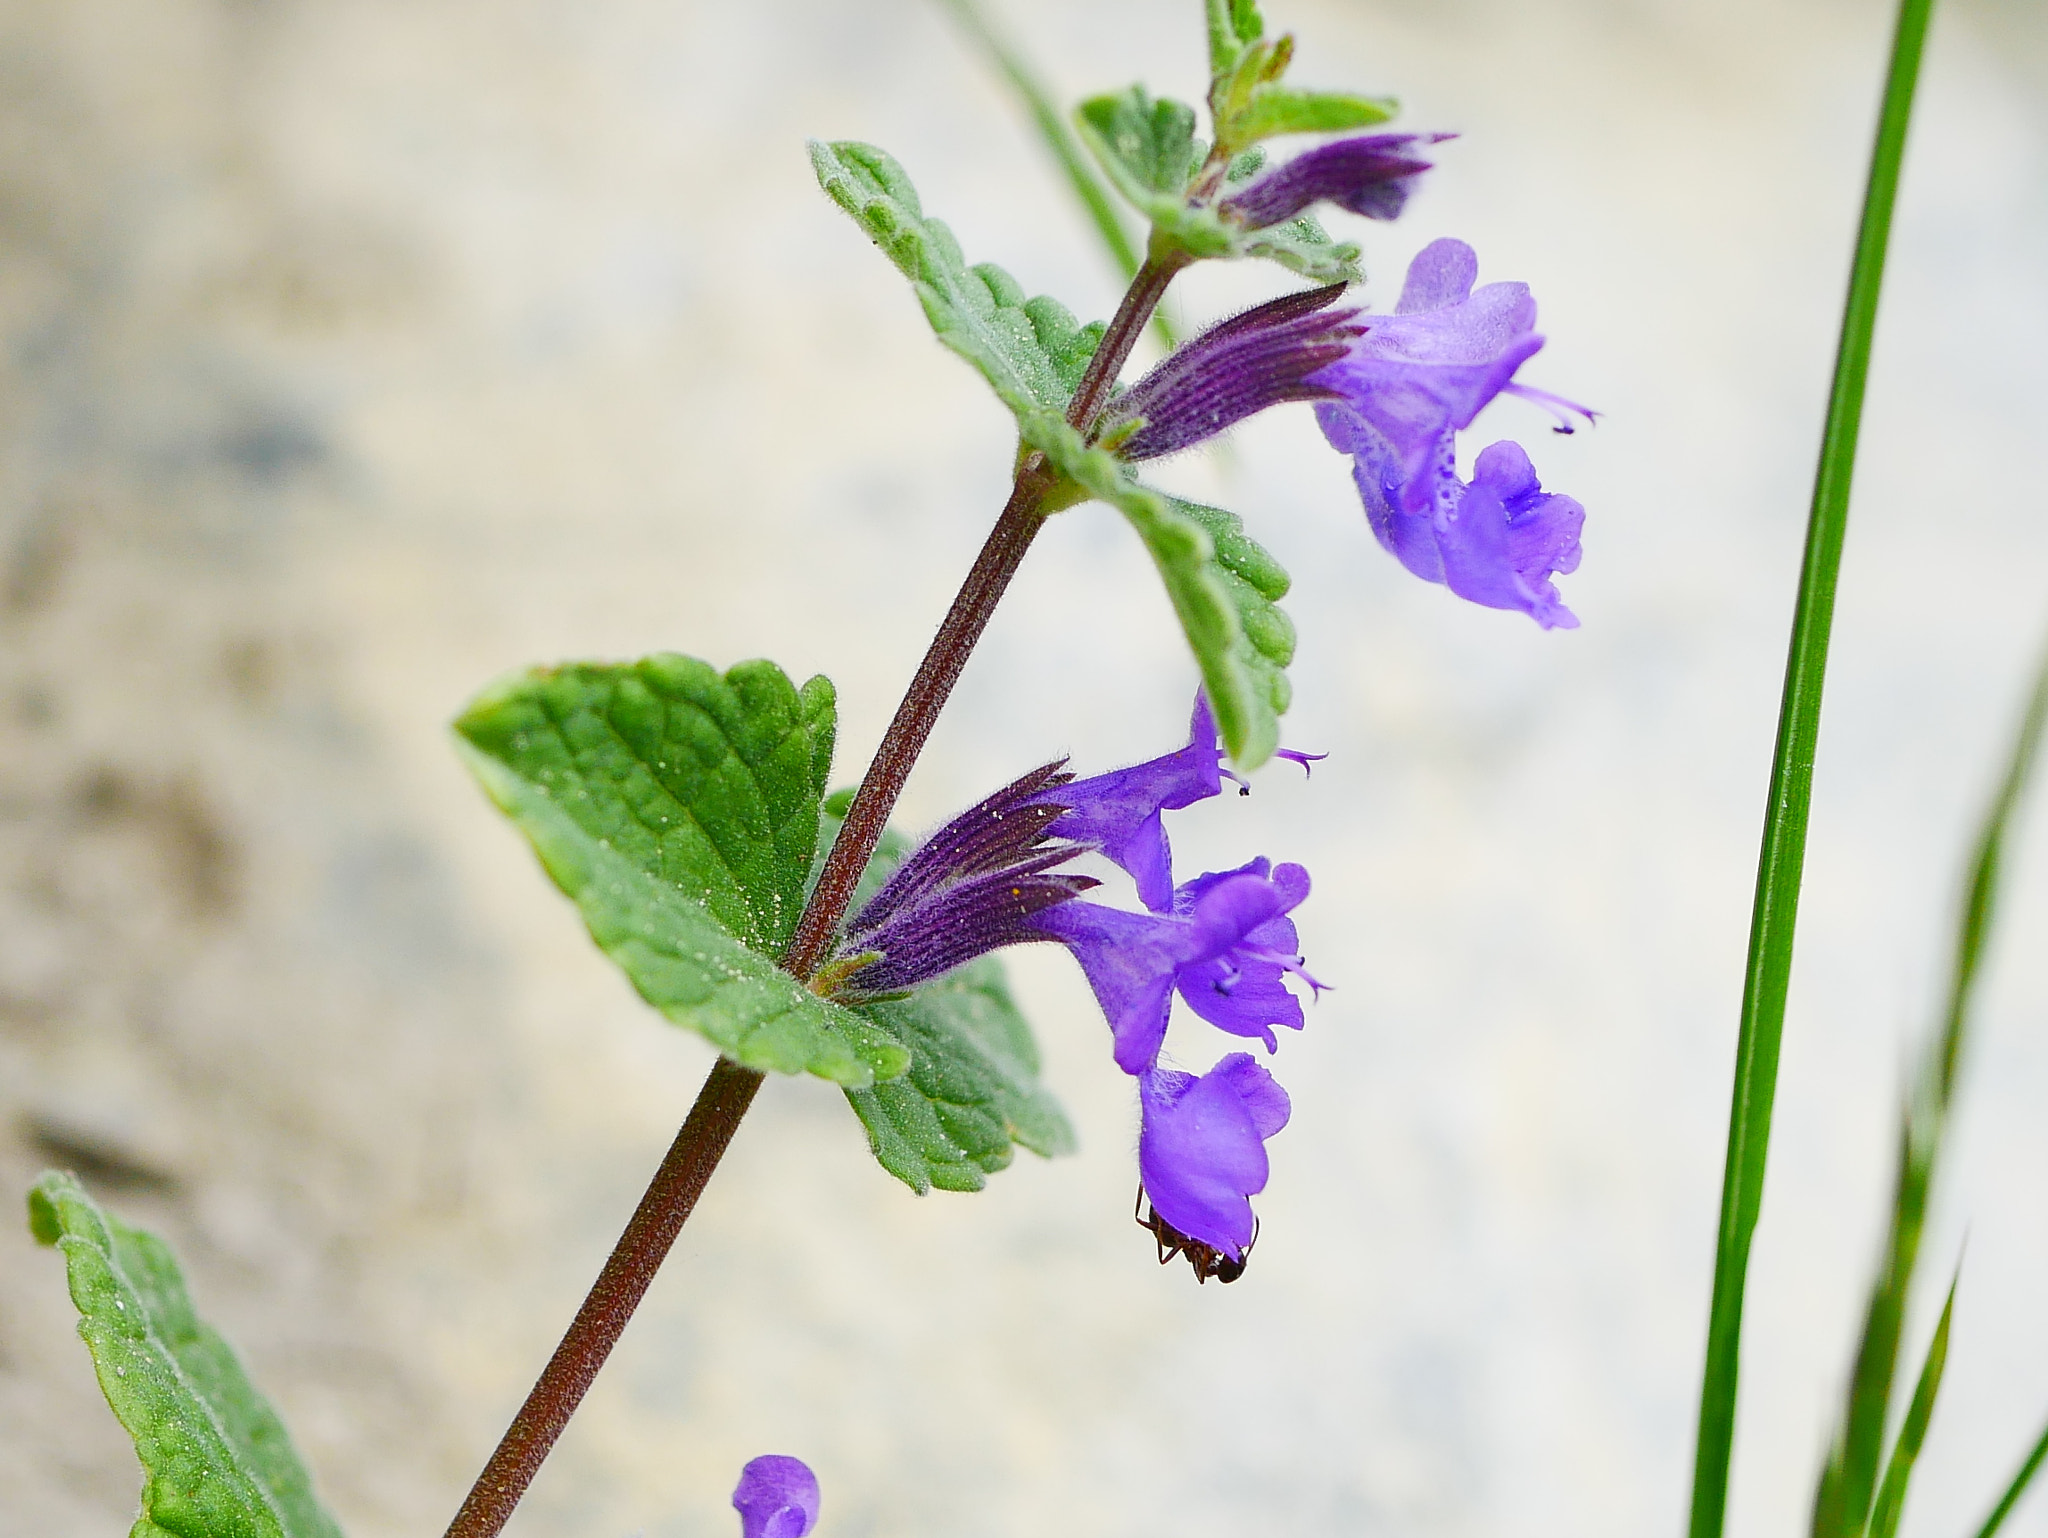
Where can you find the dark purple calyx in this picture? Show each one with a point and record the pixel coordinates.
(1234, 370)
(1371, 176)
(969, 889)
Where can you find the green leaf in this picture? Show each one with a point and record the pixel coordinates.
(1276, 109)
(972, 1090)
(1147, 147)
(1302, 246)
(216, 1460)
(2018, 1488)
(1843, 1503)
(1781, 860)
(1221, 585)
(679, 810)
(1891, 1495)
(1031, 351)
(1232, 25)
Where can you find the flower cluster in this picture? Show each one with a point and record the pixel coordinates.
(1392, 391)
(1222, 942)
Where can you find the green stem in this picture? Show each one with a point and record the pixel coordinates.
(1782, 859)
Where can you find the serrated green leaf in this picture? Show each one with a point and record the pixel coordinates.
(1240, 641)
(972, 1089)
(1303, 246)
(1146, 147)
(1031, 351)
(216, 1460)
(1278, 109)
(679, 810)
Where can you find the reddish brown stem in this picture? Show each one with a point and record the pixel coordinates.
(620, 1285)
(962, 627)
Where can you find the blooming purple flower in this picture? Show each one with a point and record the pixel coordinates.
(1372, 175)
(1234, 370)
(1202, 1147)
(1120, 811)
(777, 1497)
(970, 888)
(1401, 395)
(1224, 947)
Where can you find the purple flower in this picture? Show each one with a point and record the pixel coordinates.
(1371, 176)
(1202, 1147)
(1120, 811)
(1224, 947)
(970, 888)
(777, 1497)
(1233, 370)
(1402, 393)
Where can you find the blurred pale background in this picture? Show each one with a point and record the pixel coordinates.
(358, 351)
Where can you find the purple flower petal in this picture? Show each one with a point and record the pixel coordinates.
(1201, 1147)
(777, 1497)
(1119, 811)
(1225, 947)
(1404, 391)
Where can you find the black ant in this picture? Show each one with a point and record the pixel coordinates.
(1206, 1259)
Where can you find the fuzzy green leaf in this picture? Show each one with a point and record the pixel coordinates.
(972, 1090)
(1232, 25)
(1031, 351)
(1277, 109)
(216, 1460)
(1222, 594)
(679, 810)
(1146, 147)
(1303, 246)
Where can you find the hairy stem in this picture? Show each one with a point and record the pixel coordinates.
(617, 1292)
(730, 1089)
(993, 568)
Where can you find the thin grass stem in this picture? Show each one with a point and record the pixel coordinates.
(1781, 860)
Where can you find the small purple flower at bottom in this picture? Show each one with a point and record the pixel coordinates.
(1120, 811)
(777, 1497)
(1224, 946)
(1202, 1147)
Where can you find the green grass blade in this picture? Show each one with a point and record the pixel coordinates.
(1843, 1503)
(1088, 188)
(1891, 1495)
(2016, 1489)
(1782, 858)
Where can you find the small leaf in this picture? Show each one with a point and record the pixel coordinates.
(1232, 25)
(1276, 109)
(679, 810)
(216, 1460)
(1891, 1494)
(1302, 246)
(972, 1089)
(1032, 352)
(1147, 147)
(1240, 641)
